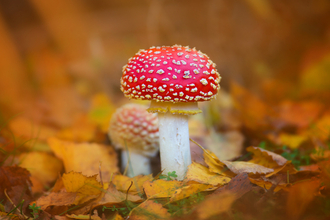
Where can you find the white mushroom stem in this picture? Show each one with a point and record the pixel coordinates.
(174, 143)
(135, 163)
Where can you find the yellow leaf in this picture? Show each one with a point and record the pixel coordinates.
(287, 168)
(198, 173)
(92, 217)
(42, 166)
(290, 140)
(149, 210)
(86, 187)
(215, 165)
(266, 158)
(135, 184)
(86, 157)
(267, 184)
(189, 190)
(160, 188)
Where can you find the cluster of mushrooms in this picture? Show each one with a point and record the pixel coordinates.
(174, 79)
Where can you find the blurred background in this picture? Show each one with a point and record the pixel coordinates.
(61, 63)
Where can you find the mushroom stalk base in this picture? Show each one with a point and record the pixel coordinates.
(137, 163)
(174, 143)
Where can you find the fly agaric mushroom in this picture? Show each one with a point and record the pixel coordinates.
(133, 128)
(174, 79)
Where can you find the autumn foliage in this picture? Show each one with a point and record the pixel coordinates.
(260, 150)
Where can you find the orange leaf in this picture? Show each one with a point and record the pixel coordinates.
(160, 188)
(254, 112)
(149, 210)
(300, 195)
(215, 205)
(42, 166)
(266, 158)
(299, 114)
(86, 157)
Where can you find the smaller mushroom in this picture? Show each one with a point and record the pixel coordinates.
(132, 128)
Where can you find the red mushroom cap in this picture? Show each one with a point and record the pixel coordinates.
(132, 126)
(170, 74)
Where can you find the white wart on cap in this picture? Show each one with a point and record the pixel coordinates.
(170, 74)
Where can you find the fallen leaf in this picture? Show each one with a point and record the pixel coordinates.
(225, 145)
(300, 195)
(267, 184)
(221, 199)
(291, 140)
(160, 188)
(112, 197)
(198, 173)
(215, 205)
(87, 188)
(56, 199)
(134, 184)
(149, 210)
(42, 166)
(265, 157)
(86, 157)
(15, 181)
(90, 217)
(186, 191)
(238, 167)
(287, 168)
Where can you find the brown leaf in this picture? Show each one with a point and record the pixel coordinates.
(16, 182)
(113, 196)
(56, 199)
(222, 199)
